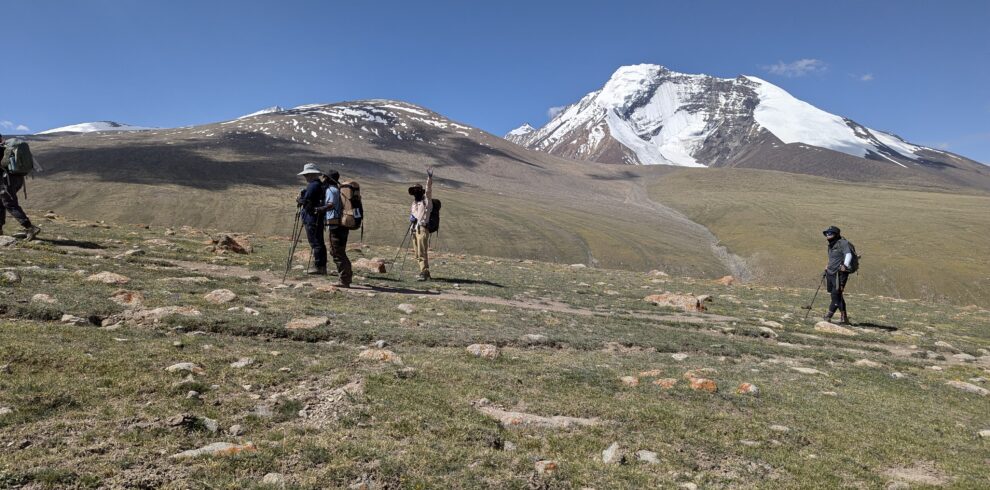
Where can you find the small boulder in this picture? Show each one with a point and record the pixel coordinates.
(968, 387)
(43, 298)
(216, 449)
(236, 430)
(614, 454)
(666, 383)
(534, 338)
(220, 296)
(380, 355)
(107, 277)
(748, 389)
(546, 467)
(679, 356)
(685, 302)
(74, 320)
(274, 480)
(485, 351)
(648, 457)
(984, 434)
(242, 363)
(704, 384)
(10, 277)
(657, 273)
(376, 265)
(963, 357)
(629, 380)
(406, 308)
(7, 241)
(867, 363)
(233, 243)
(308, 322)
(6, 411)
(896, 375)
(806, 370)
(185, 367)
(832, 328)
(780, 428)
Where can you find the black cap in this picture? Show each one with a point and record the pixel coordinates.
(334, 175)
(416, 189)
(831, 230)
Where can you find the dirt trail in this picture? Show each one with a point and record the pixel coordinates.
(271, 279)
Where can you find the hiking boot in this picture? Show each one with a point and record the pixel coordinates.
(843, 318)
(317, 271)
(828, 317)
(341, 284)
(423, 276)
(31, 233)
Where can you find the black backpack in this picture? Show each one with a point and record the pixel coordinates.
(433, 225)
(17, 158)
(854, 263)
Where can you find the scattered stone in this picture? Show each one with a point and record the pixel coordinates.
(832, 328)
(830, 393)
(985, 433)
(867, 363)
(679, 356)
(232, 243)
(614, 454)
(380, 344)
(5, 369)
(780, 428)
(748, 443)
(74, 320)
(666, 383)
(935, 368)
(629, 380)
(109, 278)
(688, 486)
(7, 241)
(648, 457)
(964, 357)
(245, 309)
(193, 395)
(380, 355)
(43, 298)
(273, 479)
(185, 367)
(307, 322)
(508, 446)
(579, 266)
(124, 297)
(980, 380)
(220, 296)
(10, 277)
(699, 373)
(657, 273)
(806, 370)
(513, 420)
(372, 265)
(945, 346)
(546, 467)
(772, 324)
(534, 338)
(211, 426)
(406, 308)
(704, 384)
(6, 411)
(726, 280)
(968, 387)
(216, 449)
(748, 389)
(236, 430)
(897, 375)
(486, 351)
(242, 363)
(768, 332)
(156, 315)
(406, 373)
(684, 302)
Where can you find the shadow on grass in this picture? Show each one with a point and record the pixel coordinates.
(71, 243)
(886, 328)
(466, 281)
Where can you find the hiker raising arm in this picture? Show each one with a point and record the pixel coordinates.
(419, 217)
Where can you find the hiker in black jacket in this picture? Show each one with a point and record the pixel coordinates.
(311, 204)
(9, 185)
(840, 257)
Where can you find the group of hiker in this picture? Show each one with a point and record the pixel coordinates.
(328, 203)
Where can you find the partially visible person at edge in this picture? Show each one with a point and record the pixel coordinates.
(419, 217)
(338, 234)
(9, 185)
(310, 201)
(840, 256)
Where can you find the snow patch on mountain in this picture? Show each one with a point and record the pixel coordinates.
(522, 130)
(92, 127)
(267, 110)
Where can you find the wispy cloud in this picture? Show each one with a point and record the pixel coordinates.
(866, 78)
(10, 125)
(553, 111)
(799, 68)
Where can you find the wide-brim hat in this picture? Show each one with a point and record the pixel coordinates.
(831, 230)
(310, 168)
(416, 189)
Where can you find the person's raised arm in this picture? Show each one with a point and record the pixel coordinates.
(429, 183)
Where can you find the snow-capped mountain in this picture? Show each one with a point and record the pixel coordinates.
(97, 126)
(267, 110)
(648, 114)
(519, 134)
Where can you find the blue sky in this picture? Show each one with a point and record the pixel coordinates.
(916, 68)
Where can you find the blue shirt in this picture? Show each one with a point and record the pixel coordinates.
(333, 197)
(312, 198)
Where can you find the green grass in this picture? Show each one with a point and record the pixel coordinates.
(91, 405)
(915, 244)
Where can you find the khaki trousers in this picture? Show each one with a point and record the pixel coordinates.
(421, 243)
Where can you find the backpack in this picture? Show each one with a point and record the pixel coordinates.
(854, 263)
(433, 224)
(17, 158)
(353, 213)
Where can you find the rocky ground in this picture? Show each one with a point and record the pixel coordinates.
(177, 358)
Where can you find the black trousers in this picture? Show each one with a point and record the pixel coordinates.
(338, 249)
(314, 233)
(835, 283)
(9, 185)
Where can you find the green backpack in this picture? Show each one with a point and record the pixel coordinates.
(17, 159)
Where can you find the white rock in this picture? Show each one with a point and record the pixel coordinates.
(242, 362)
(806, 370)
(649, 457)
(780, 428)
(74, 320)
(216, 449)
(6, 411)
(679, 356)
(406, 308)
(486, 351)
(985, 433)
(43, 298)
(964, 357)
(897, 375)
(274, 479)
(185, 366)
(7, 241)
(867, 363)
(968, 387)
(220, 296)
(614, 454)
(236, 430)
(108, 278)
(10, 277)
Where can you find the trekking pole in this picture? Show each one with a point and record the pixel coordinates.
(402, 246)
(809, 307)
(405, 256)
(296, 234)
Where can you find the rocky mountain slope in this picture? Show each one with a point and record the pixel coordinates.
(94, 127)
(649, 115)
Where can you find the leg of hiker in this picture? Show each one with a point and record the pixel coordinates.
(836, 296)
(338, 249)
(314, 234)
(841, 279)
(8, 198)
(421, 243)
